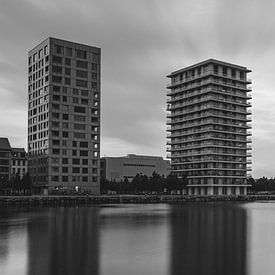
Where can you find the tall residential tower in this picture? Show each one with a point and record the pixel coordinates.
(64, 116)
(208, 125)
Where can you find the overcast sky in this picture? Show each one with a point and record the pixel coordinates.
(142, 41)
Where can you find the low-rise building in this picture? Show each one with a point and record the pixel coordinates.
(18, 162)
(119, 168)
(13, 161)
(5, 159)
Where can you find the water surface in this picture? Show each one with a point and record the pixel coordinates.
(197, 238)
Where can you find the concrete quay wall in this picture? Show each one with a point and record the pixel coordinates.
(116, 199)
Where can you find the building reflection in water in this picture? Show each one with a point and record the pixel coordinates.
(208, 239)
(65, 243)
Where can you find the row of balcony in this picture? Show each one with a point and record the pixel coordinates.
(207, 160)
(209, 73)
(241, 153)
(206, 82)
(242, 146)
(210, 129)
(209, 121)
(175, 96)
(243, 139)
(205, 114)
(204, 99)
(209, 106)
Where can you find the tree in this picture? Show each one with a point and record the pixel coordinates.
(26, 183)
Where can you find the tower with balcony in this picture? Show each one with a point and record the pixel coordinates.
(64, 116)
(208, 125)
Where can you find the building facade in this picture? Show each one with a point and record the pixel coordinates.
(209, 127)
(119, 168)
(19, 162)
(5, 160)
(64, 116)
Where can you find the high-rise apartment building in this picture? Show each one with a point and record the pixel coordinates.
(64, 116)
(208, 125)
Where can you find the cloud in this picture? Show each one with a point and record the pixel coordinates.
(142, 41)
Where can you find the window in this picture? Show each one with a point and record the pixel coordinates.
(56, 142)
(84, 144)
(76, 170)
(75, 91)
(58, 49)
(84, 162)
(57, 69)
(76, 161)
(65, 134)
(81, 83)
(83, 74)
(65, 161)
(241, 75)
(55, 133)
(83, 153)
(64, 178)
(46, 50)
(67, 81)
(65, 117)
(67, 61)
(82, 64)
(69, 51)
(84, 92)
(79, 135)
(78, 126)
(56, 151)
(55, 106)
(54, 178)
(75, 100)
(94, 76)
(94, 171)
(84, 179)
(216, 69)
(65, 125)
(94, 66)
(56, 88)
(57, 79)
(67, 71)
(84, 101)
(64, 169)
(55, 115)
(64, 99)
(81, 54)
(79, 118)
(56, 97)
(55, 124)
(57, 59)
(85, 170)
(74, 143)
(79, 109)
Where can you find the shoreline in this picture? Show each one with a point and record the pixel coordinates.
(54, 200)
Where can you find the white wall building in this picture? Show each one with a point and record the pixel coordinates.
(118, 168)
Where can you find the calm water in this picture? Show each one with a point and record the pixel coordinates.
(135, 239)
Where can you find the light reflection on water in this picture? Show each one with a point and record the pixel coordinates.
(209, 239)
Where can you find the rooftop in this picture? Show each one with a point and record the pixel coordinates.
(211, 60)
(4, 144)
